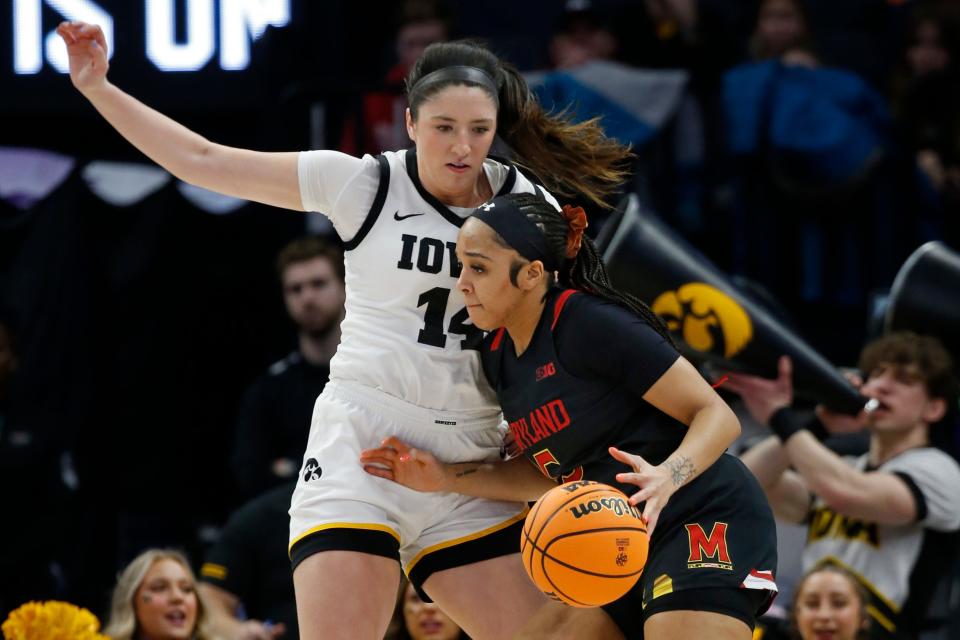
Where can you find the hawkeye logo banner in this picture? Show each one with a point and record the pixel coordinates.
(708, 552)
(705, 318)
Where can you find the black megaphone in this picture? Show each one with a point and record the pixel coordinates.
(711, 318)
(925, 296)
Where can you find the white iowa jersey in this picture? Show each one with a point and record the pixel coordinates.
(899, 564)
(406, 330)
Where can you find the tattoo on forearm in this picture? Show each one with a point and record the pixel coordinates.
(681, 469)
(467, 471)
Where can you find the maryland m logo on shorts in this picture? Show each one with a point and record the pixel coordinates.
(708, 551)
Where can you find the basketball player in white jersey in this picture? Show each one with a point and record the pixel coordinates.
(406, 364)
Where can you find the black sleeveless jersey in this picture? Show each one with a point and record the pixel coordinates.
(578, 387)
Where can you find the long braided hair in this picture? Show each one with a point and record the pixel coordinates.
(585, 271)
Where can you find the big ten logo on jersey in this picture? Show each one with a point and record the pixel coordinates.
(177, 35)
(436, 257)
(545, 371)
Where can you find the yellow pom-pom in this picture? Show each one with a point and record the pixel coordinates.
(51, 620)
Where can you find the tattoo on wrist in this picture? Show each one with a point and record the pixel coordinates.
(681, 469)
(466, 472)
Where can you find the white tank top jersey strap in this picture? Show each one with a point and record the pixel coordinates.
(404, 365)
(406, 329)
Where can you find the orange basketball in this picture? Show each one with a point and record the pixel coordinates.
(584, 544)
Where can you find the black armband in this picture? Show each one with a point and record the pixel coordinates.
(785, 422)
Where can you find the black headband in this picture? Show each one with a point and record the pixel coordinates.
(519, 231)
(459, 73)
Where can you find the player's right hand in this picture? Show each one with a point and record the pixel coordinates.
(395, 460)
(87, 49)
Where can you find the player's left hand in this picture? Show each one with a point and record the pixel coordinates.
(655, 484)
(413, 468)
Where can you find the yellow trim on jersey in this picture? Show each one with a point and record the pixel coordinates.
(472, 536)
(873, 590)
(211, 570)
(344, 525)
(884, 621)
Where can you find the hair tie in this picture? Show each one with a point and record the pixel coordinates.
(576, 219)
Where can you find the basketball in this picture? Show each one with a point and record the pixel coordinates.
(584, 544)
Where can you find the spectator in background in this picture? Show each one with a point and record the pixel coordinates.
(782, 31)
(245, 579)
(274, 417)
(892, 515)
(812, 201)
(927, 105)
(381, 126)
(156, 598)
(830, 602)
(414, 619)
(582, 34)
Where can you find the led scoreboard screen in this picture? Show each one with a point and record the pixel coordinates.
(171, 51)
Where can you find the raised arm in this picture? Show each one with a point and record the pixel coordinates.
(270, 178)
(786, 490)
(876, 496)
(514, 480)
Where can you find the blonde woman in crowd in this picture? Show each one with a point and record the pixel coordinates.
(156, 599)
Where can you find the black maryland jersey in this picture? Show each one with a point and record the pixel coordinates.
(578, 387)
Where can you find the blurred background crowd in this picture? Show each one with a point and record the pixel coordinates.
(161, 347)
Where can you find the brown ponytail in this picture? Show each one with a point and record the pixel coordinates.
(570, 158)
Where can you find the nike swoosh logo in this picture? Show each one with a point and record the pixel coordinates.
(398, 217)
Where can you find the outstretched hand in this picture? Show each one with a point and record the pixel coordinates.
(397, 461)
(656, 485)
(763, 397)
(87, 48)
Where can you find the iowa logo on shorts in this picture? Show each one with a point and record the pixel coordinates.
(311, 470)
(708, 552)
(705, 318)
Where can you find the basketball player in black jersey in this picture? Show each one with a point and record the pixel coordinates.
(584, 374)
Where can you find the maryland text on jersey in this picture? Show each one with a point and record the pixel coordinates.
(543, 421)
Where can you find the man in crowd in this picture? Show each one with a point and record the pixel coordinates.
(274, 417)
(892, 515)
